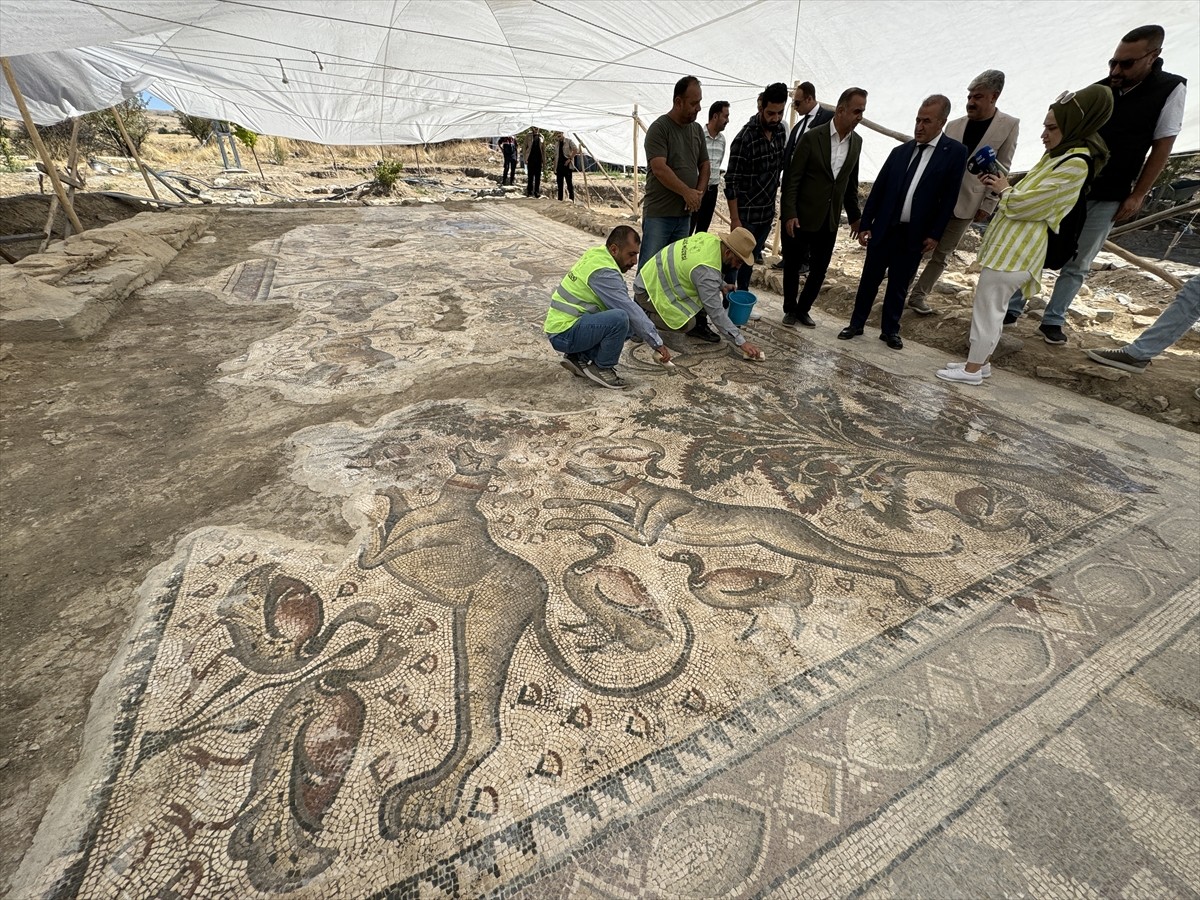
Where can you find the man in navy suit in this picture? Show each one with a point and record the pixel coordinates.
(904, 217)
(809, 114)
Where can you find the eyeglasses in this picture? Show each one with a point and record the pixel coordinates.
(1127, 64)
(1068, 97)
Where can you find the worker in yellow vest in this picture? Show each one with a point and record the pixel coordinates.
(591, 315)
(685, 277)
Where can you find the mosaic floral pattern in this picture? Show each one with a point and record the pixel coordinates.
(634, 651)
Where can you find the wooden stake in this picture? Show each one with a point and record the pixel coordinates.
(604, 172)
(1142, 263)
(1155, 217)
(586, 196)
(36, 140)
(49, 229)
(132, 149)
(637, 202)
(73, 169)
(875, 126)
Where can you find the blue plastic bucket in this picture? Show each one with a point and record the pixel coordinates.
(740, 304)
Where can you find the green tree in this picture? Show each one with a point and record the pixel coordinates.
(199, 127)
(98, 132)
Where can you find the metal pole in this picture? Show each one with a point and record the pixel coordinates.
(36, 140)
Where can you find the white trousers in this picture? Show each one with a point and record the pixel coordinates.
(992, 294)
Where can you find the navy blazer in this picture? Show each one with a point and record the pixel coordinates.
(933, 201)
(819, 117)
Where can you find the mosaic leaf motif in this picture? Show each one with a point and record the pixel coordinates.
(818, 446)
(549, 623)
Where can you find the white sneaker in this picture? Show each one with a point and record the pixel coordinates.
(755, 316)
(962, 376)
(986, 371)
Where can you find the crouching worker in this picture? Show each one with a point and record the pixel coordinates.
(591, 315)
(685, 277)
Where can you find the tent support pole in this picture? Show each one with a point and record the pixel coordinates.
(1141, 263)
(604, 172)
(637, 202)
(132, 149)
(73, 169)
(36, 140)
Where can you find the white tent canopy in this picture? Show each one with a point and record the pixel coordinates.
(420, 71)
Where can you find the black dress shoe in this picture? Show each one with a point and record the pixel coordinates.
(893, 341)
(849, 332)
(806, 320)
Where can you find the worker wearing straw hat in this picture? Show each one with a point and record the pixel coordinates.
(684, 279)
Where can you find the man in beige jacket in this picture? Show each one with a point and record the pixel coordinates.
(982, 126)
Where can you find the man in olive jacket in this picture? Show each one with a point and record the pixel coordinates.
(821, 178)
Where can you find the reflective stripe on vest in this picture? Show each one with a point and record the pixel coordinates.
(574, 297)
(668, 276)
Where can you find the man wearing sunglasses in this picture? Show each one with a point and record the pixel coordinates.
(1147, 115)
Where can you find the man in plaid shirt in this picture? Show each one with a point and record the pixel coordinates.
(752, 179)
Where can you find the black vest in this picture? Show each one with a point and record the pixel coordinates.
(1130, 132)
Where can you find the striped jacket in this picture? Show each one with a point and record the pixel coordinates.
(1016, 238)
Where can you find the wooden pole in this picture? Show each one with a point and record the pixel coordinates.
(49, 229)
(586, 197)
(1142, 263)
(604, 172)
(73, 168)
(875, 126)
(1156, 217)
(132, 149)
(36, 140)
(637, 202)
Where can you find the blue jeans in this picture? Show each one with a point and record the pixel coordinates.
(1095, 232)
(659, 231)
(597, 336)
(1173, 324)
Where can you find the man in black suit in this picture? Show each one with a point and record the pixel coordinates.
(821, 178)
(809, 114)
(904, 217)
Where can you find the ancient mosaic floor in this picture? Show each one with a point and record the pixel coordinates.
(801, 629)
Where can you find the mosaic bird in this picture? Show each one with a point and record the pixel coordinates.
(743, 588)
(277, 623)
(614, 600)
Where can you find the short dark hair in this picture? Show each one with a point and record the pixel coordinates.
(682, 85)
(620, 235)
(1152, 33)
(808, 90)
(775, 93)
(939, 100)
(715, 109)
(848, 93)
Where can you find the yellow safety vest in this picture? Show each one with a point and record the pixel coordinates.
(574, 297)
(668, 276)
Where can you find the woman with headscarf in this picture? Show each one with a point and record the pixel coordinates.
(1014, 246)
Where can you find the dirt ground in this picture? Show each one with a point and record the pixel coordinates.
(110, 455)
(1119, 300)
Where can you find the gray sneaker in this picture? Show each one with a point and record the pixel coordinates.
(1118, 359)
(605, 377)
(574, 364)
(919, 306)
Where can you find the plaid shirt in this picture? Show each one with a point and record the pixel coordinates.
(753, 174)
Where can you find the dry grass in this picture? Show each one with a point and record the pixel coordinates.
(178, 151)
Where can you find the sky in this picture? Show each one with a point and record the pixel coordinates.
(154, 103)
